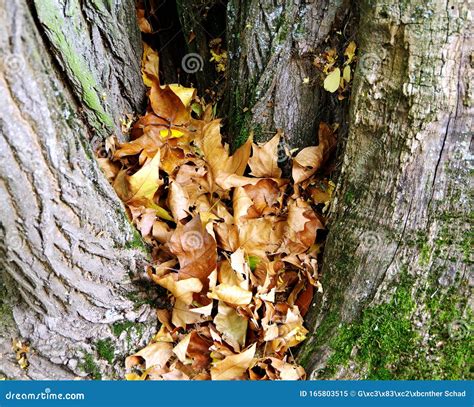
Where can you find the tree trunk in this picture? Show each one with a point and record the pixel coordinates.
(398, 265)
(67, 250)
(272, 80)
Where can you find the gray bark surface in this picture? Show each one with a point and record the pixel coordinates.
(271, 50)
(402, 219)
(67, 250)
(97, 44)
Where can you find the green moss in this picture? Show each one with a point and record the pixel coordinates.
(138, 299)
(349, 196)
(466, 246)
(328, 325)
(136, 242)
(382, 337)
(120, 327)
(284, 27)
(130, 328)
(105, 349)
(90, 367)
(384, 344)
(424, 248)
(77, 68)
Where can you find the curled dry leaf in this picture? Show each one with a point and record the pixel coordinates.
(310, 159)
(155, 354)
(302, 225)
(143, 23)
(234, 367)
(167, 105)
(150, 63)
(195, 249)
(264, 160)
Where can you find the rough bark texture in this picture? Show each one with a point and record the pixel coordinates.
(271, 50)
(97, 44)
(67, 250)
(398, 265)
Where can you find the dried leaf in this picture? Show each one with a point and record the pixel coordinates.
(264, 160)
(155, 354)
(233, 367)
(196, 250)
(217, 155)
(231, 325)
(231, 294)
(182, 289)
(167, 105)
(310, 159)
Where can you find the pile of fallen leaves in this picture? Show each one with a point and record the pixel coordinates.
(232, 241)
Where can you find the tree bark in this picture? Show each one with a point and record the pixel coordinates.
(271, 52)
(67, 249)
(398, 265)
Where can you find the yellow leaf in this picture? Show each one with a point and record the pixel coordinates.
(331, 83)
(140, 188)
(185, 94)
(171, 133)
(133, 376)
(161, 212)
(233, 367)
(346, 73)
(350, 52)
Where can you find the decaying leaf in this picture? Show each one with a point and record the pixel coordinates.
(264, 160)
(231, 325)
(233, 367)
(310, 159)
